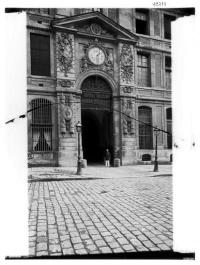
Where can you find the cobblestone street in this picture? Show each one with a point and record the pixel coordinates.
(100, 216)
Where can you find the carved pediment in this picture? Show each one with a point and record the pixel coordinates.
(94, 24)
(95, 29)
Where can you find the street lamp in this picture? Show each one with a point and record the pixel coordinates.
(156, 132)
(79, 168)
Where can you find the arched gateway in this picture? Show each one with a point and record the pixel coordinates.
(97, 118)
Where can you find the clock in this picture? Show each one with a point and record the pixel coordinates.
(96, 55)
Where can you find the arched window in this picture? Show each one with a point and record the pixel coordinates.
(41, 125)
(145, 131)
(169, 127)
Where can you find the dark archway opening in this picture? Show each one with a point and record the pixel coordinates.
(97, 119)
(96, 135)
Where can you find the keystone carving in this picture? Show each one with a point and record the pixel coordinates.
(66, 114)
(65, 53)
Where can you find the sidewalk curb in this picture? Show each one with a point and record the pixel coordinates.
(93, 178)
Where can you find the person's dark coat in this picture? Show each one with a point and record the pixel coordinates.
(107, 155)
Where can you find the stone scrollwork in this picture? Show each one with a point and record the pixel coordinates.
(66, 114)
(109, 62)
(128, 89)
(126, 59)
(65, 53)
(94, 29)
(65, 83)
(128, 114)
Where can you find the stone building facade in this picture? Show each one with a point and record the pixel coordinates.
(110, 69)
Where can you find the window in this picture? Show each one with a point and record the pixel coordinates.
(40, 10)
(169, 127)
(143, 70)
(167, 26)
(40, 55)
(146, 157)
(142, 22)
(145, 131)
(41, 125)
(168, 72)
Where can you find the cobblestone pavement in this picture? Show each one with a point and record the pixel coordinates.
(100, 216)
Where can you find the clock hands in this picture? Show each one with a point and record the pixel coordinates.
(96, 56)
(98, 53)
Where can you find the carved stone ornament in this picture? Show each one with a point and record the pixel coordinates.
(107, 66)
(128, 111)
(94, 29)
(66, 114)
(126, 59)
(128, 89)
(65, 53)
(65, 83)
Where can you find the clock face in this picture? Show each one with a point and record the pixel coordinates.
(96, 55)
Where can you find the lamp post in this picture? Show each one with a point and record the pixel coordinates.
(156, 132)
(79, 168)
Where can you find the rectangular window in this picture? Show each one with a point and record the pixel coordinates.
(142, 22)
(40, 54)
(167, 26)
(169, 127)
(40, 10)
(168, 72)
(145, 131)
(41, 125)
(143, 70)
(169, 137)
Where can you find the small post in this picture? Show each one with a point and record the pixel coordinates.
(79, 167)
(156, 132)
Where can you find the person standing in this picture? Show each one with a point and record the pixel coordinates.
(107, 158)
